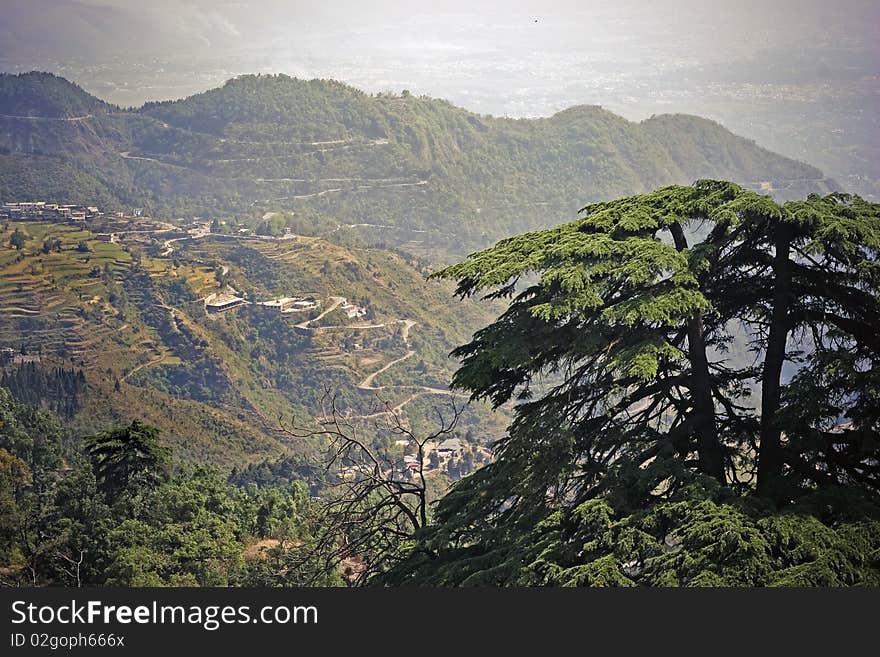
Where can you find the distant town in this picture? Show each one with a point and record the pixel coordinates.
(450, 456)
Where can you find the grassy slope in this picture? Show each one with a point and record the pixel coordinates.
(142, 325)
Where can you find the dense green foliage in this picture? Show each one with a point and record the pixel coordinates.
(634, 427)
(697, 537)
(61, 390)
(60, 526)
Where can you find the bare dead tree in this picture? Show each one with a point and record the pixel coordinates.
(376, 500)
(73, 569)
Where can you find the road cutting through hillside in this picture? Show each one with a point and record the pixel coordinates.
(155, 361)
(192, 236)
(336, 190)
(367, 383)
(336, 303)
(125, 155)
(47, 118)
(348, 327)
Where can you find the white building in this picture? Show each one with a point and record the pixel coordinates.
(353, 311)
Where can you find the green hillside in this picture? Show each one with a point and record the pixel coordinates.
(136, 325)
(46, 96)
(388, 168)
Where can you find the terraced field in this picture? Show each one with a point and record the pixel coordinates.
(56, 302)
(75, 306)
(137, 325)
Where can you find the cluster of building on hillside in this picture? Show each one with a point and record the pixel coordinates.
(218, 303)
(200, 226)
(54, 212)
(106, 227)
(43, 211)
(438, 457)
(11, 356)
(451, 457)
(352, 310)
(292, 304)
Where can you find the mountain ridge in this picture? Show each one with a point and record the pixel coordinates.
(45, 96)
(275, 143)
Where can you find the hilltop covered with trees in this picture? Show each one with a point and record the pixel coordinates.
(46, 96)
(410, 163)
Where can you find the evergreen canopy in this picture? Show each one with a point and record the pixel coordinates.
(632, 344)
(124, 455)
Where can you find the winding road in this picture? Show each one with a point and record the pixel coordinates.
(367, 383)
(336, 302)
(47, 118)
(155, 361)
(336, 190)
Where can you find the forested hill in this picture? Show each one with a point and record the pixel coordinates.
(260, 143)
(43, 95)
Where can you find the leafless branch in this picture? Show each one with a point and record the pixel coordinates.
(375, 499)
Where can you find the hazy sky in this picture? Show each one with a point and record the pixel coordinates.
(287, 32)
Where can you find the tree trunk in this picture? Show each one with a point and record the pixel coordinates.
(711, 455)
(708, 445)
(770, 448)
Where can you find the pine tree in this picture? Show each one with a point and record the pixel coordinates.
(633, 340)
(127, 455)
(17, 239)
